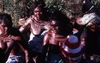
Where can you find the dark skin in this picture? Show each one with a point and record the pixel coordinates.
(11, 42)
(53, 38)
(37, 24)
(59, 30)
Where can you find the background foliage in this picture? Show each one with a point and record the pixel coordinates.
(20, 8)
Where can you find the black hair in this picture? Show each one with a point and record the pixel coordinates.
(6, 18)
(63, 21)
(86, 6)
(34, 5)
(40, 5)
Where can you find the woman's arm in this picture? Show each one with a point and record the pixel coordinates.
(22, 28)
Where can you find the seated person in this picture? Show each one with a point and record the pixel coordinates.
(12, 45)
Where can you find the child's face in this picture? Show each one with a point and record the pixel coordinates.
(54, 26)
(38, 12)
(3, 28)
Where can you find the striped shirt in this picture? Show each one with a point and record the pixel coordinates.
(71, 49)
